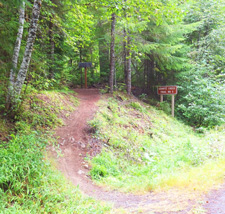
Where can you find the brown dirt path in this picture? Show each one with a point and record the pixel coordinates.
(215, 201)
(75, 143)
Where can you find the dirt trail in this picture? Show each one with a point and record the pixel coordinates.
(215, 201)
(75, 143)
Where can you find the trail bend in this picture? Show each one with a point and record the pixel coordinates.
(75, 143)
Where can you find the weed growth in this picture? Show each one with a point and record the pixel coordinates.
(143, 147)
(28, 184)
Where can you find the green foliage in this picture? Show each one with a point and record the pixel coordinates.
(201, 99)
(166, 107)
(143, 147)
(201, 92)
(28, 184)
(104, 165)
(20, 159)
(41, 110)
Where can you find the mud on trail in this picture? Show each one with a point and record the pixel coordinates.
(76, 143)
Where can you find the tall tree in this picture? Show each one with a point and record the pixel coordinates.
(112, 52)
(128, 82)
(21, 76)
(16, 53)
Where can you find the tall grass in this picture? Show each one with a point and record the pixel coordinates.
(145, 149)
(28, 183)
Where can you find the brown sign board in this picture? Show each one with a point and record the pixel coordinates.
(167, 90)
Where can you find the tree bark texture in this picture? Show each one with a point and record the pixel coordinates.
(125, 46)
(16, 51)
(29, 47)
(52, 49)
(129, 65)
(81, 74)
(112, 53)
(125, 54)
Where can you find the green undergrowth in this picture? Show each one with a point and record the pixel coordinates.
(28, 181)
(145, 149)
(45, 110)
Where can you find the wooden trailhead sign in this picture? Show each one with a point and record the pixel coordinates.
(85, 65)
(168, 90)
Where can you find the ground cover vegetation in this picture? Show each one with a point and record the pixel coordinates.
(134, 46)
(29, 182)
(145, 149)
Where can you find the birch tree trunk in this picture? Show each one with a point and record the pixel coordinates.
(29, 47)
(112, 53)
(129, 65)
(16, 53)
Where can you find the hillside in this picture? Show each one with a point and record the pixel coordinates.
(144, 149)
(129, 146)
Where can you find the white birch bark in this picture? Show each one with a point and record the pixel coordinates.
(29, 47)
(16, 51)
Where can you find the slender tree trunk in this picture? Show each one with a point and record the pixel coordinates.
(52, 48)
(125, 47)
(125, 54)
(112, 53)
(129, 65)
(81, 74)
(148, 75)
(29, 47)
(16, 53)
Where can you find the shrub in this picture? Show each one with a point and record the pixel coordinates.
(201, 99)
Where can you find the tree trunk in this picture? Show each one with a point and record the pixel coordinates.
(125, 55)
(16, 53)
(52, 48)
(81, 74)
(125, 47)
(129, 65)
(112, 53)
(29, 47)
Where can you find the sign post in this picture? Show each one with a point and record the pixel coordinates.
(85, 65)
(168, 90)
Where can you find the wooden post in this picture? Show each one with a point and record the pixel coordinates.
(161, 98)
(85, 77)
(173, 102)
(81, 79)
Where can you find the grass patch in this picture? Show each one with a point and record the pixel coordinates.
(45, 110)
(145, 149)
(28, 184)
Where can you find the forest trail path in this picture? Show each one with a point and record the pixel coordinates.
(76, 143)
(215, 201)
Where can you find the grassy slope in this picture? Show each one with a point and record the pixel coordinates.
(28, 182)
(144, 149)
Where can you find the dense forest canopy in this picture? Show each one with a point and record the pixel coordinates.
(129, 42)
